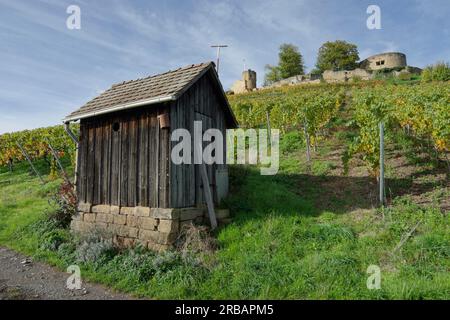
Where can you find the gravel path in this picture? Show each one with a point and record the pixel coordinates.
(23, 279)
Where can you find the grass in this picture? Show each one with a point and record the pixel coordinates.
(23, 201)
(280, 245)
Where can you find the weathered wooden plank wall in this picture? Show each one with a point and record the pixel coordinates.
(82, 164)
(126, 167)
(115, 157)
(199, 103)
(124, 158)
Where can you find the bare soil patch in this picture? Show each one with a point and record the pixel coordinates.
(21, 278)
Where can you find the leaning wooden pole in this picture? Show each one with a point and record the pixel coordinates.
(29, 161)
(55, 156)
(76, 141)
(308, 148)
(207, 188)
(269, 129)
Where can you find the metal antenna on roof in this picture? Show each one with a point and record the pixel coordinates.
(218, 46)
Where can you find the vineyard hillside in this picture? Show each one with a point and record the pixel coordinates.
(312, 231)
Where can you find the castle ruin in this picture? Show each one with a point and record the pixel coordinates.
(246, 84)
(394, 62)
(390, 62)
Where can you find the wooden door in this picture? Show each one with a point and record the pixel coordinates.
(207, 123)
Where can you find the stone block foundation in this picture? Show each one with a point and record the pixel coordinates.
(154, 228)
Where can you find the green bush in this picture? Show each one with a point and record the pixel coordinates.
(405, 76)
(141, 266)
(441, 71)
(67, 252)
(52, 240)
(64, 202)
(291, 141)
(95, 250)
(356, 79)
(437, 72)
(427, 74)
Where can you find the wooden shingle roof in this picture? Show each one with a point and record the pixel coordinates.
(163, 87)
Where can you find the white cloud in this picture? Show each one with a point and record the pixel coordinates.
(54, 70)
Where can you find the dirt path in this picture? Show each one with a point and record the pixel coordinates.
(23, 279)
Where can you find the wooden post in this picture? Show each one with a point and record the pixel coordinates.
(58, 162)
(316, 143)
(308, 150)
(207, 189)
(208, 196)
(75, 179)
(29, 161)
(77, 144)
(268, 127)
(381, 180)
(158, 136)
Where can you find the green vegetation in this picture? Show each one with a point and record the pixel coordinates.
(23, 202)
(311, 231)
(290, 64)
(36, 145)
(337, 55)
(305, 233)
(420, 109)
(437, 72)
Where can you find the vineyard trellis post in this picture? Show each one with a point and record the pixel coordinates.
(381, 178)
(308, 150)
(75, 140)
(58, 162)
(29, 161)
(268, 126)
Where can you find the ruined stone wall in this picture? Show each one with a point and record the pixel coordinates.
(344, 75)
(335, 76)
(300, 79)
(154, 228)
(246, 84)
(413, 70)
(239, 87)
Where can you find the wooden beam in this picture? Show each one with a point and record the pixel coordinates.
(207, 189)
(29, 161)
(158, 136)
(58, 162)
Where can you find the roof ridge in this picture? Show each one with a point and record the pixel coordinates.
(161, 74)
(169, 86)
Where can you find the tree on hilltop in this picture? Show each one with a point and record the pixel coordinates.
(337, 55)
(290, 63)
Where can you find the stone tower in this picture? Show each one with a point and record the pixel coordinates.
(388, 60)
(247, 82)
(249, 76)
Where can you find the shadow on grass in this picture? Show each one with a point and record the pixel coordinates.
(255, 196)
(24, 168)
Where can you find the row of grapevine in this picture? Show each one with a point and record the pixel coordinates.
(421, 110)
(289, 108)
(35, 143)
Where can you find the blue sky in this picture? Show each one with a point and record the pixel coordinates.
(47, 70)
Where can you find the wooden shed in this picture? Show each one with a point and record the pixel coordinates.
(126, 182)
